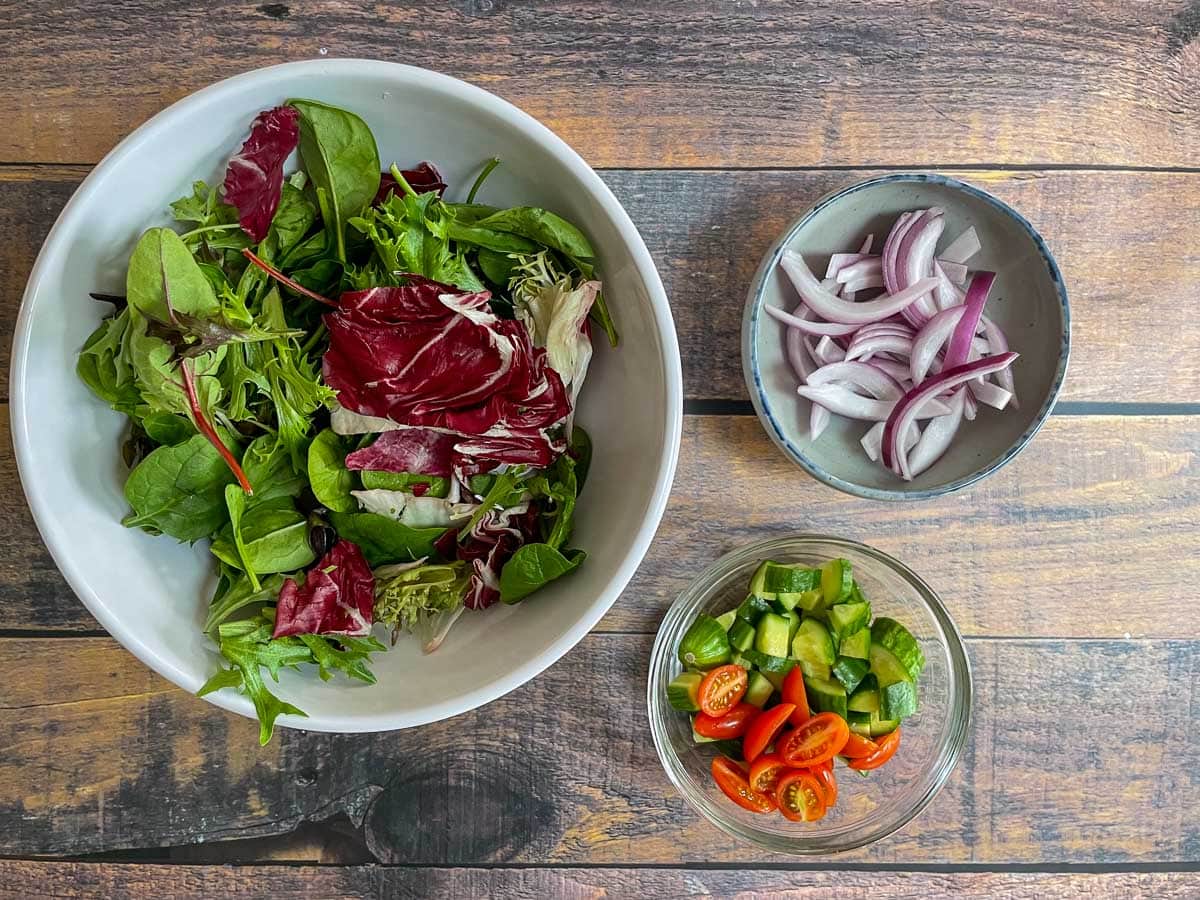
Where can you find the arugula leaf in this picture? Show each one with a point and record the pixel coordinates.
(383, 540)
(179, 491)
(340, 156)
(534, 566)
(272, 537)
(103, 365)
(328, 476)
(235, 502)
(237, 592)
(164, 279)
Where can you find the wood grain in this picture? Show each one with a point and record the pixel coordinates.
(22, 879)
(100, 756)
(708, 83)
(1124, 488)
(1123, 241)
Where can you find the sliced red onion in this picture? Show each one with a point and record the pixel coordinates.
(962, 247)
(818, 420)
(935, 439)
(868, 283)
(835, 309)
(945, 295)
(956, 273)
(797, 350)
(897, 370)
(883, 343)
(866, 244)
(987, 393)
(998, 343)
(841, 261)
(873, 439)
(874, 381)
(915, 402)
(914, 259)
(964, 331)
(808, 327)
(864, 267)
(827, 351)
(970, 408)
(930, 340)
(843, 401)
(892, 245)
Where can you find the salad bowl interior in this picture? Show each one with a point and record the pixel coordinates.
(151, 593)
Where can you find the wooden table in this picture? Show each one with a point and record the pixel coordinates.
(1072, 571)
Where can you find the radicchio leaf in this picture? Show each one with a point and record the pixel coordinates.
(423, 179)
(337, 597)
(492, 542)
(419, 450)
(254, 178)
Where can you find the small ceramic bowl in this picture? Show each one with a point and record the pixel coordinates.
(1029, 302)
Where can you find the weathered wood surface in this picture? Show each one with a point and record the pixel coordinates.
(1124, 241)
(21, 879)
(1125, 487)
(771, 83)
(1081, 752)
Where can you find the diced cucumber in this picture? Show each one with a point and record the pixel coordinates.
(705, 644)
(793, 620)
(813, 603)
(893, 636)
(758, 690)
(752, 608)
(850, 671)
(836, 581)
(859, 722)
(866, 698)
(898, 700)
(856, 594)
(857, 645)
(826, 695)
(741, 635)
(813, 644)
(786, 600)
(885, 666)
(776, 679)
(768, 663)
(726, 619)
(847, 618)
(738, 659)
(684, 691)
(880, 727)
(772, 634)
(816, 670)
(791, 578)
(758, 580)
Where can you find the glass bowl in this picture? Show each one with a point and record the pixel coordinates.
(870, 807)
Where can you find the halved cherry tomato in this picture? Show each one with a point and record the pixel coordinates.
(766, 772)
(887, 749)
(730, 726)
(824, 774)
(793, 692)
(762, 730)
(858, 746)
(730, 779)
(800, 796)
(820, 738)
(721, 690)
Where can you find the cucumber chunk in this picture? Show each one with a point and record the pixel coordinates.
(758, 580)
(856, 594)
(880, 727)
(684, 691)
(866, 698)
(857, 644)
(705, 645)
(741, 635)
(898, 700)
(813, 644)
(836, 581)
(813, 603)
(738, 659)
(894, 637)
(885, 666)
(768, 663)
(726, 619)
(847, 618)
(816, 670)
(826, 695)
(752, 608)
(850, 671)
(787, 600)
(859, 722)
(772, 635)
(793, 620)
(758, 690)
(791, 578)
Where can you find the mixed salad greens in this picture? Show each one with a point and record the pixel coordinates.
(361, 393)
(844, 684)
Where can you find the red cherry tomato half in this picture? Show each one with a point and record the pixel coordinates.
(793, 692)
(887, 749)
(728, 727)
(800, 796)
(732, 781)
(824, 774)
(766, 772)
(763, 730)
(722, 689)
(858, 746)
(820, 738)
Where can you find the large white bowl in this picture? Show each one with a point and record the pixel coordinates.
(150, 592)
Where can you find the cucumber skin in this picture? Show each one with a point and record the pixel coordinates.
(826, 695)
(898, 701)
(789, 578)
(741, 635)
(705, 645)
(758, 690)
(848, 618)
(837, 580)
(865, 699)
(899, 641)
(683, 691)
(813, 643)
(850, 672)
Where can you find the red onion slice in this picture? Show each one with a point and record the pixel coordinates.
(897, 370)
(964, 331)
(827, 351)
(797, 351)
(914, 259)
(866, 244)
(962, 247)
(873, 439)
(935, 439)
(930, 340)
(838, 262)
(998, 343)
(875, 382)
(883, 343)
(833, 308)
(956, 273)
(892, 245)
(843, 401)
(831, 328)
(990, 394)
(818, 420)
(866, 267)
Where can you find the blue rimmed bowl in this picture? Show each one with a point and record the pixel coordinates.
(1029, 302)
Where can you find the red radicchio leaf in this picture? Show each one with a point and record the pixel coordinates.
(423, 179)
(418, 450)
(254, 178)
(428, 354)
(492, 543)
(337, 597)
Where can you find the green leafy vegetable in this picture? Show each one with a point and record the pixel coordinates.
(274, 539)
(331, 481)
(104, 365)
(179, 491)
(435, 485)
(236, 592)
(383, 540)
(534, 566)
(235, 502)
(422, 599)
(164, 279)
(269, 468)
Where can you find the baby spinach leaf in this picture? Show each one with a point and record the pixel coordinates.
(235, 502)
(164, 279)
(167, 428)
(268, 467)
(383, 540)
(331, 481)
(179, 491)
(542, 226)
(293, 218)
(534, 566)
(496, 267)
(274, 539)
(340, 156)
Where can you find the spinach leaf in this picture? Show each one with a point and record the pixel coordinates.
(383, 540)
(293, 218)
(167, 428)
(543, 227)
(331, 481)
(179, 491)
(496, 267)
(156, 369)
(340, 156)
(274, 539)
(532, 567)
(164, 279)
(235, 502)
(580, 449)
(238, 593)
(268, 467)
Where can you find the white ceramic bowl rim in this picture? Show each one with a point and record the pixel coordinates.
(758, 395)
(276, 76)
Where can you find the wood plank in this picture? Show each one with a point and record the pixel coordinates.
(87, 769)
(1114, 233)
(22, 878)
(682, 84)
(995, 552)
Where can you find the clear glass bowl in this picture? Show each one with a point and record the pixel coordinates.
(868, 808)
